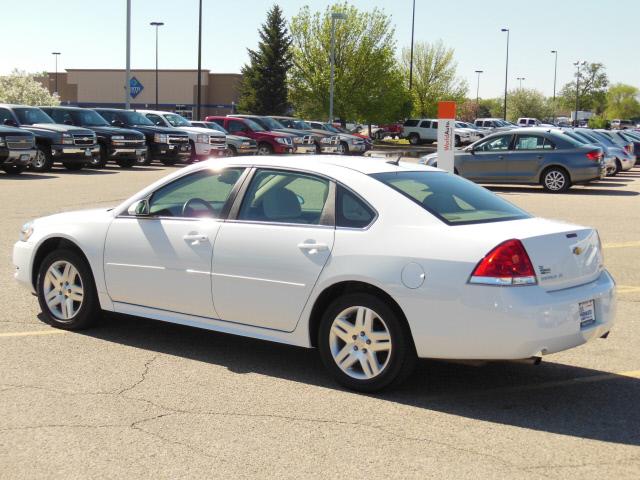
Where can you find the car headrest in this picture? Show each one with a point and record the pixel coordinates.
(441, 203)
(280, 204)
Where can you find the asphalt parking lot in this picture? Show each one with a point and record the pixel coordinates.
(135, 398)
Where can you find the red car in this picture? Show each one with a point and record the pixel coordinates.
(268, 142)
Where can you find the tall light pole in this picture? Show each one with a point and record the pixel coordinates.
(520, 79)
(413, 24)
(55, 54)
(555, 73)
(127, 75)
(199, 60)
(478, 91)
(334, 16)
(578, 64)
(506, 74)
(157, 25)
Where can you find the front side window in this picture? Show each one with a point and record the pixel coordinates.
(202, 194)
(236, 126)
(176, 120)
(88, 118)
(285, 197)
(60, 116)
(108, 116)
(498, 144)
(351, 211)
(452, 199)
(155, 119)
(5, 115)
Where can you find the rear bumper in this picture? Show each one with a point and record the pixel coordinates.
(16, 157)
(500, 323)
(586, 174)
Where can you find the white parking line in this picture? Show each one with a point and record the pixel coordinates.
(33, 333)
(622, 245)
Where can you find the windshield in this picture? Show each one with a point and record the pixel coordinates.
(577, 137)
(602, 138)
(29, 116)
(88, 118)
(133, 118)
(176, 120)
(452, 199)
(331, 128)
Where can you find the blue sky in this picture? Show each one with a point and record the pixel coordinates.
(91, 34)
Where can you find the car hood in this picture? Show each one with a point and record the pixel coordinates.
(75, 216)
(14, 131)
(59, 128)
(155, 129)
(201, 131)
(273, 133)
(114, 131)
(236, 138)
(293, 131)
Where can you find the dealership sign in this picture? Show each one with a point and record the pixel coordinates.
(135, 87)
(446, 135)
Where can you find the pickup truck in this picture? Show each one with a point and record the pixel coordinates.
(204, 143)
(236, 145)
(425, 130)
(122, 146)
(324, 141)
(17, 149)
(348, 143)
(169, 145)
(268, 142)
(303, 142)
(73, 146)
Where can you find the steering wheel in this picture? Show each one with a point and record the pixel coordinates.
(200, 201)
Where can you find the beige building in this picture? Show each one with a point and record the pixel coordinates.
(177, 90)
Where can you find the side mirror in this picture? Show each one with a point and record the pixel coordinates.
(10, 122)
(116, 123)
(139, 208)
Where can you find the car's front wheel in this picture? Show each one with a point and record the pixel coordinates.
(43, 160)
(66, 291)
(265, 149)
(556, 180)
(365, 344)
(14, 169)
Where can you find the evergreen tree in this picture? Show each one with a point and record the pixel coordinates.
(263, 90)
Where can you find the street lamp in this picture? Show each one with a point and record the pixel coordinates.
(520, 79)
(413, 24)
(506, 73)
(478, 91)
(555, 72)
(55, 54)
(156, 24)
(334, 16)
(127, 75)
(578, 64)
(199, 60)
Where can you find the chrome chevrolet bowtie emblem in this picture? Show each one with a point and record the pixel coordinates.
(577, 250)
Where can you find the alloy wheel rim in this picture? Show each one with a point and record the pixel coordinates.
(341, 148)
(263, 151)
(40, 159)
(360, 343)
(554, 180)
(63, 290)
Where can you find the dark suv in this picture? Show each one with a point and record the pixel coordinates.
(123, 146)
(17, 149)
(72, 146)
(168, 145)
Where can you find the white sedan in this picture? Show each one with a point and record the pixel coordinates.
(374, 263)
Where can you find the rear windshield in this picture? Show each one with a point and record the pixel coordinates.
(452, 199)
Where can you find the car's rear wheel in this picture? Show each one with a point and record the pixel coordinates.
(365, 344)
(66, 291)
(414, 139)
(556, 180)
(43, 161)
(14, 169)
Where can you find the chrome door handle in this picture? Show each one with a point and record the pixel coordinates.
(313, 248)
(195, 238)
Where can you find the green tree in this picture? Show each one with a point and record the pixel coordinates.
(264, 89)
(368, 82)
(491, 108)
(23, 88)
(434, 77)
(527, 102)
(622, 101)
(592, 89)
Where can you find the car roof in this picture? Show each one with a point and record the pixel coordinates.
(321, 163)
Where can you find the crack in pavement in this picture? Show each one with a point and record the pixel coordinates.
(143, 377)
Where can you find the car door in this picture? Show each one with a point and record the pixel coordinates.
(528, 154)
(237, 127)
(487, 161)
(162, 259)
(432, 132)
(268, 256)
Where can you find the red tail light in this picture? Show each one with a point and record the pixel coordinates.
(594, 155)
(506, 264)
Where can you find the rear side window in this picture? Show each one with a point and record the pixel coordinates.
(108, 116)
(452, 199)
(351, 211)
(411, 123)
(425, 124)
(533, 142)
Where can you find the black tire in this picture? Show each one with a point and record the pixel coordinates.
(89, 309)
(192, 153)
(14, 169)
(73, 166)
(126, 163)
(414, 139)
(555, 180)
(264, 149)
(344, 148)
(169, 161)
(457, 141)
(401, 360)
(145, 159)
(43, 161)
(618, 168)
(101, 160)
(231, 151)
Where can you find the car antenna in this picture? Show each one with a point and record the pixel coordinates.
(395, 162)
